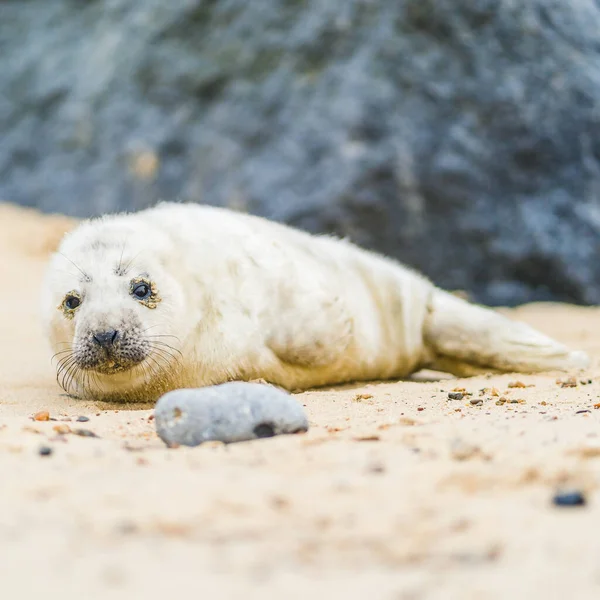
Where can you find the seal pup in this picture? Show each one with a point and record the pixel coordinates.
(187, 295)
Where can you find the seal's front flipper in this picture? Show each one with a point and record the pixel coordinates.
(463, 336)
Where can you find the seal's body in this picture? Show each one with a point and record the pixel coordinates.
(184, 295)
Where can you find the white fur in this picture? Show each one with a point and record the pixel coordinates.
(246, 298)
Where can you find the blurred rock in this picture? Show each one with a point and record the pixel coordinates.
(459, 136)
(231, 412)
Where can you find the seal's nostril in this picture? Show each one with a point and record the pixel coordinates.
(106, 338)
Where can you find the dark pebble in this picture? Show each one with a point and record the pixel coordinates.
(45, 451)
(84, 433)
(83, 419)
(582, 411)
(570, 498)
(476, 401)
(455, 396)
(230, 412)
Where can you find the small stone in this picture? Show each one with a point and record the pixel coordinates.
(84, 433)
(230, 412)
(62, 429)
(83, 419)
(516, 384)
(476, 401)
(569, 498)
(455, 395)
(567, 383)
(376, 467)
(43, 415)
(45, 451)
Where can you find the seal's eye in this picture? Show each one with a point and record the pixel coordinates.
(144, 291)
(141, 291)
(72, 302)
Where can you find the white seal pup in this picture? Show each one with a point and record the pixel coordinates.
(185, 295)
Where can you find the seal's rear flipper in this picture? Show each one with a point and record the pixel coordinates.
(466, 339)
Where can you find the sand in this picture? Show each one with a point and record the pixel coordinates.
(395, 492)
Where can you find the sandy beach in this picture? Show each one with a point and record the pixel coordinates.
(396, 492)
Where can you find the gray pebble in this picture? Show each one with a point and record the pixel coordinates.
(230, 412)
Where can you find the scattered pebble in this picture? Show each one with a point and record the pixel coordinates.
(582, 411)
(84, 433)
(476, 401)
(83, 419)
(455, 395)
(43, 415)
(569, 498)
(376, 467)
(518, 384)
(490, 391)
(462, 391)
(62, 429)
(571, 382)
(501, 401)
(45, 451)
(230, 412)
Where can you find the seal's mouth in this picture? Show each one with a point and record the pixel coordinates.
(112, 366)
(110, 352)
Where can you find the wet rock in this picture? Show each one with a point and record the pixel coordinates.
(231, 412)
(459, 136)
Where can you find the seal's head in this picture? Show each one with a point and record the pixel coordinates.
(112, 308)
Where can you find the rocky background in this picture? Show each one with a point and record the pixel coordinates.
(460, 136)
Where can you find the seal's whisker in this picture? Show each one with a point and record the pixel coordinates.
(68, 379)
(64, 364)
(155, 369)
(151, 327)
(164, 335)
(119, 271)
(85, 275)
(85, 381)
(130, 263)
(165, 361)
(164, 349)
(95, 380)
(163, 345)
(65, 381)
(69, 351)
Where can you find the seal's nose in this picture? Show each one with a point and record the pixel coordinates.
(106, 339)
